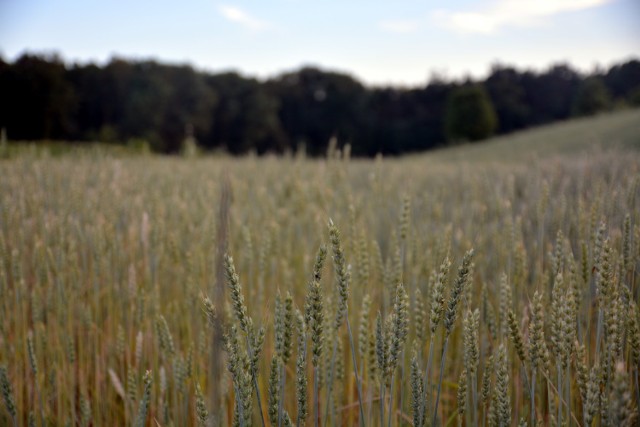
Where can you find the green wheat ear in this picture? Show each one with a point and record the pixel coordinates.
(486, 380)
(417, 391)
(462, 395)
(471, 324)
(456, 291)
(301, 365)
(622, 408)
(7, 394)
(274, 391)
(288, 328)
(32, 354)
(420, 317)
(634, 334)
(165, 337)
(400, 327)
(201, 408)
(132, 386)
(143, 409)
(237, 298)
(343, 275)
(536, 332)
(279, 327)
(316, 318)
(381, 348)
(363, 329)
(437, 296)
(516, 336)
(592, 405)
(209, 310)
(502, 399)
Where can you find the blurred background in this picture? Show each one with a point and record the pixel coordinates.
(274, 76)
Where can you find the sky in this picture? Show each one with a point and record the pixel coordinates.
(403, 42)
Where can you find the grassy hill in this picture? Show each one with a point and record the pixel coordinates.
(585, 136)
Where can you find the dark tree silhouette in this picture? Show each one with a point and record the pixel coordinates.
(470, 114)
(592, 97)
(149, 103)
(509, 98)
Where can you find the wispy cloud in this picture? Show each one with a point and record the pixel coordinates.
(399, 26)
(240, 17)
(510, 13)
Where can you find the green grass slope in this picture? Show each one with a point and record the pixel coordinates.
(584, 136)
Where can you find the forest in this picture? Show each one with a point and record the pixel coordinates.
(156, 105)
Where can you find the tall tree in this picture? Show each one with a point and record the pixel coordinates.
(508, 96)
(470, 114)
(39, 103)
(550, 94)
(316, 105)
(622, 80)
(245, 116)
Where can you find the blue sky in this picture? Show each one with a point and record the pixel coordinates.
(378, 42)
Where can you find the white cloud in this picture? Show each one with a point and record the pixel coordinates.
(514, 13)
(399, 26)
(239, 16)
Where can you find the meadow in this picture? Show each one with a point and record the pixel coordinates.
(493, 284)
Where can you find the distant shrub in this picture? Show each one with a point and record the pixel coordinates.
(139, 145)
(634, 98)
(592, 97)
(470, 114)
(107, 133)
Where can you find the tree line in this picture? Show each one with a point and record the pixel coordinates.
(148, 102)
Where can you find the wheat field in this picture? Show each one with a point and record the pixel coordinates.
(429, 290)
